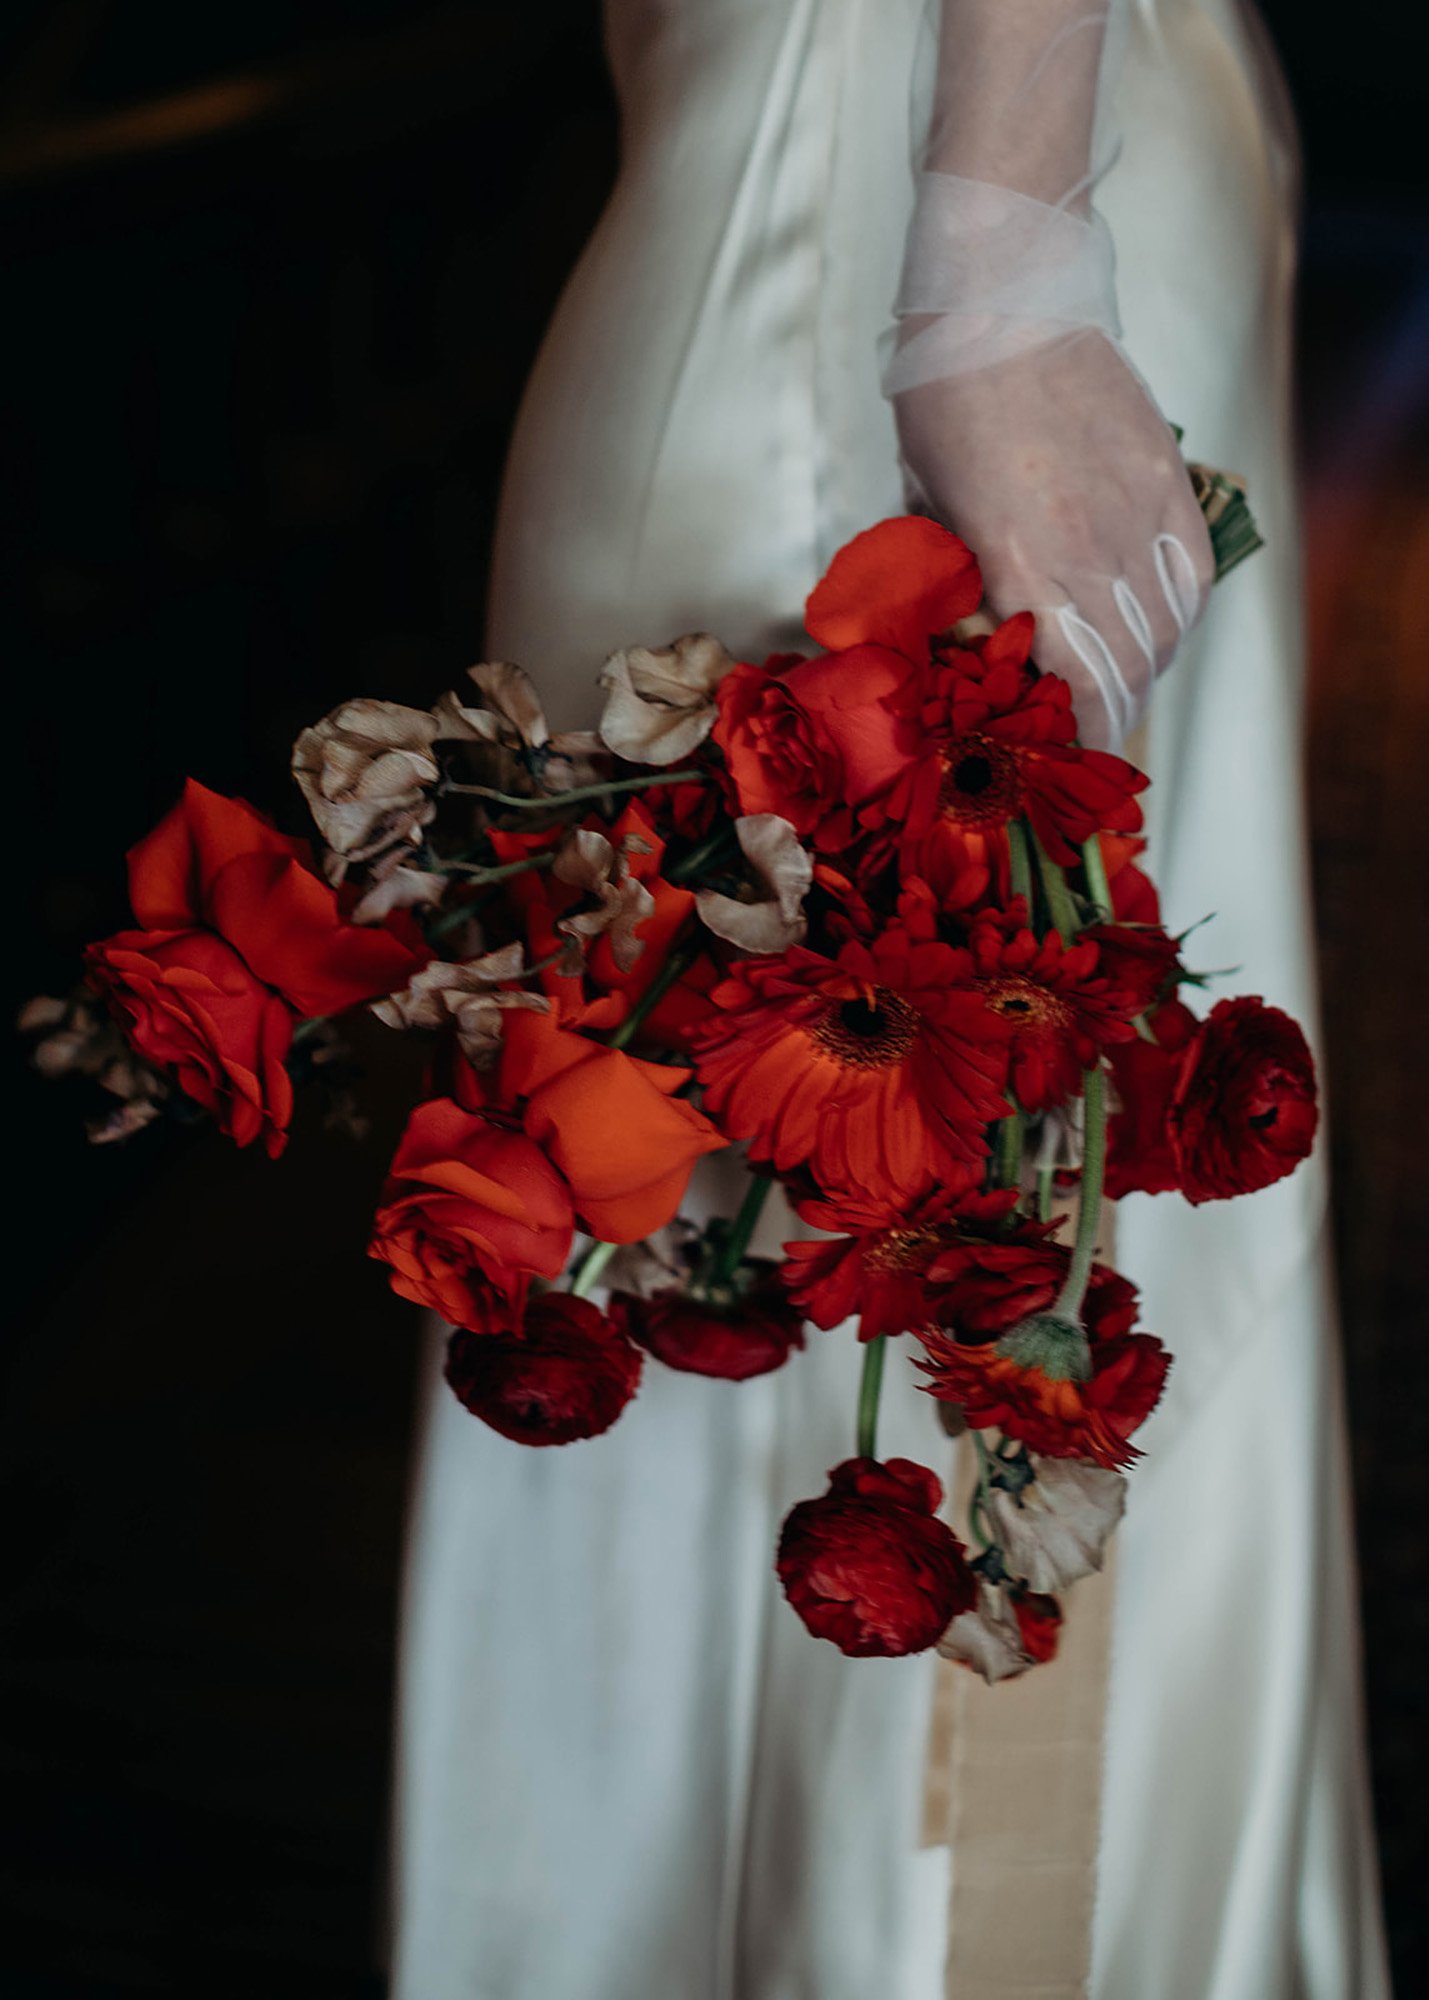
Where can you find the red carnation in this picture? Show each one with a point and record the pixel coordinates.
(869, 1565)
(469, 1208)
(749, 1336)
(878, 1069)
(567, 1374)
(1243, 1112)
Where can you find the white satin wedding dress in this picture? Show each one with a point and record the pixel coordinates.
(625, 1772)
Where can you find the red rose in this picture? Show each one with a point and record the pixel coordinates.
(188, 1004)
(1243, 1112)
(869, 1565)
(751, 1336)
(215, 864)
(898, 585)
(567, 1374)
(469, 1209)
(1039, 1621)
(813, 739)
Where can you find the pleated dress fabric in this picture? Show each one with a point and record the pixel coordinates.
(625, 1772)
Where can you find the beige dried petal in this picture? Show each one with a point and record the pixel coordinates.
(588, 862)
(1056, 1530)
(660, 704)
(399, 888)
(83, 1040)
(123, 1122)
(508, 709)
(769, 915)
(44, 1011)
(466, 996)
(363, 771)
(660, 1262)
(987, 1638)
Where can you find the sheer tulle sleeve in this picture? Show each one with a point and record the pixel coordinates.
(1022, 421)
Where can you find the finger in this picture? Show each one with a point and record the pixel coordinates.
(1180, 585)
(1071, 647)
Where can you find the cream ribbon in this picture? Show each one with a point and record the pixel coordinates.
(1013, 1786)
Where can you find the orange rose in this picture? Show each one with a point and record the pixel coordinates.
(470, 1209)
(612, 1124)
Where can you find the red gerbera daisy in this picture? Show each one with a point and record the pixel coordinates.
(1063, 1013)
(999, 744)
(879, 1267)
(876, 1069)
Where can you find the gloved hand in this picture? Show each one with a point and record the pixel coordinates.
(1022, 423)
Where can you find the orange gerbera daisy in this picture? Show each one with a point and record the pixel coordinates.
(877, 1070)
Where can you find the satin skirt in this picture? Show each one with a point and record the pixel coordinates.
(625, 1772)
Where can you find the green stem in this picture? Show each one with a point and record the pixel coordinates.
(1060, 905)
(554, 801)
(870, 1383)
(1045, 1178)
(1098, 888)
(1008, 1162)
(700, 857)
(677, 964)
(1074, 1288)
(477, 872)
(731, 1255)
(592, 1264)
(1021, 861)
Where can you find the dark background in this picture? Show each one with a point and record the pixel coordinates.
(274, 278)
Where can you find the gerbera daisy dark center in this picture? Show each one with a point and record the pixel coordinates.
(1026, 1004)
(905, 1249)
(981, 783)
(872, 1031)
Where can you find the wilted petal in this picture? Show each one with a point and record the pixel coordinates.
(399, 888)
(1055, 1531)
(660, 704)
(588, 862)
(769, 915)
(364, 770)
(508, 709)
(987, 1638)
(472, 997)
(658, 1262)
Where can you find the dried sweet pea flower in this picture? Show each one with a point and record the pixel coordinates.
(471, 997)
(508, 717)
(365, 771)
(1055, 1530)
(770, 916)
(988, 1638)
(394, 886)
(590, 863)
(661, 704)
(79, 1038)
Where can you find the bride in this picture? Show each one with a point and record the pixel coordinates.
(625, 1771)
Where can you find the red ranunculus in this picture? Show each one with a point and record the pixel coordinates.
(869, 1565)
(1139, 960)
(1243, 1112)
(1063, 1010)
(877, 1069)
(750, 1336)
(567, 1374)
(1140, 1159)
(470, 1208)
(188, 1004)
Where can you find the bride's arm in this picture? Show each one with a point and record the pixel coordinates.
(1021, 421)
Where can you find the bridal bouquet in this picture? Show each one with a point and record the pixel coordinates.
(871, 914)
